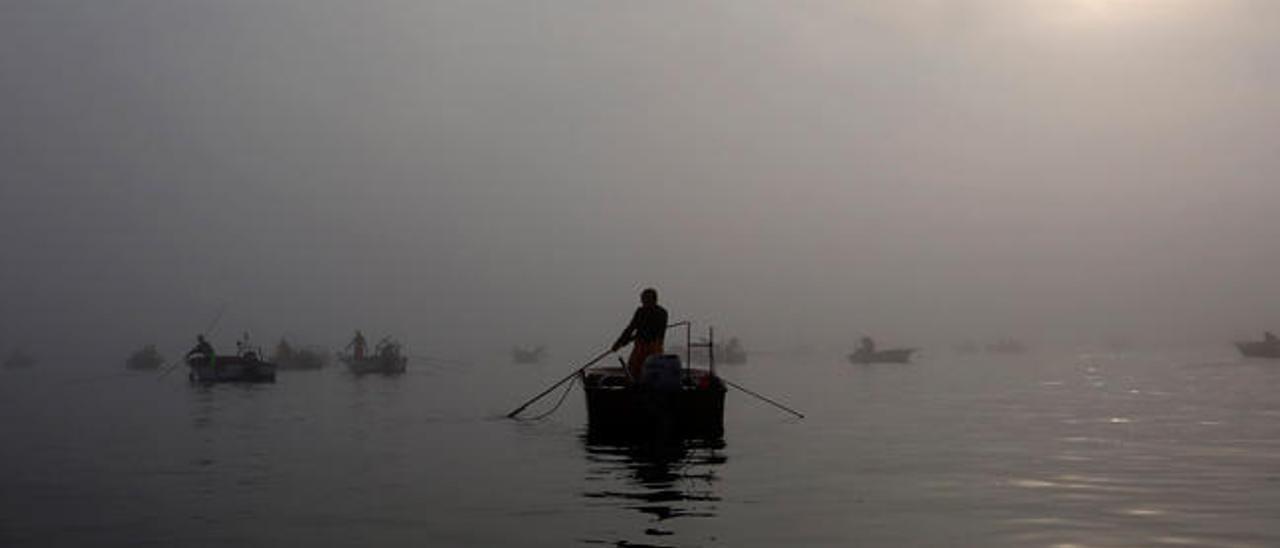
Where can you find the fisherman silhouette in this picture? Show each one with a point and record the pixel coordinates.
(357, 346)
(203, 349)
(646, 332)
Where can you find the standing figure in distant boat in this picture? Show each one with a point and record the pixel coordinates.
(867, 346)
(647, 330)
(1270, 337)
(242, 345)
(202, 348)
(357, 346)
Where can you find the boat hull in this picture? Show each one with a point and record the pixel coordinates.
(616, 408)
(893, 355)
(376, 366)
(1259, 349)
(230, 369)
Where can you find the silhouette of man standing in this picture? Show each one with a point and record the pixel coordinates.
(357, 345)
(647, 330)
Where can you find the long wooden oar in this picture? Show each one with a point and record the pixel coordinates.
(766, 400)
(170, 369)
(513, 414)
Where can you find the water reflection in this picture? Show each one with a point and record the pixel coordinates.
(663, 481)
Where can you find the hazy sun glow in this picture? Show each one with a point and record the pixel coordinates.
(1117, 12)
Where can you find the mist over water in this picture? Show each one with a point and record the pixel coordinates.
(1092, 179)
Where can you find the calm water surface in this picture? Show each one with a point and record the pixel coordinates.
(1178, 448)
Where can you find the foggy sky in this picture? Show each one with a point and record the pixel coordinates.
(473, 174)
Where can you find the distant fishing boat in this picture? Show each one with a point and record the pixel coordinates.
(1259, 349)
(671, 399)
(528, 355)
(245, 367)
(18, 359)
(288, 358)
(145, 359)
(386, 359)
(890, 355)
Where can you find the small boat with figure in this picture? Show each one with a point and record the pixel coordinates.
(387, 359)
(18, 359)
(289, 358)
(146, 358)
(669, 399)
(1268, 347)
(246, 367)
(525, 355)
(868, 353)
(207, 366)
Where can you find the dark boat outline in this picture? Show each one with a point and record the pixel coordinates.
(1259, 349)
(619, 408)
(244, 368)
(888, 355)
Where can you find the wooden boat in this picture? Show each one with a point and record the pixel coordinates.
(1259, 349)
(891, 355)
(386, 359)
(691, 407)
(18, 359)
(669, 400)
(145, 359)
(528, 355)
(246, 367)
(288, 358)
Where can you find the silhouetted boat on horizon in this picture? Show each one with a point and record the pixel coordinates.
(528, 355)
(1259, 349)
(245, 367)
(889, 355)
(146, 358)
(18, 359)
(299, 359)
(386, 359)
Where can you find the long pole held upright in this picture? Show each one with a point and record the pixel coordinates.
(513, 414)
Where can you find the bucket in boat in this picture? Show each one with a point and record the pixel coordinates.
(662, 372)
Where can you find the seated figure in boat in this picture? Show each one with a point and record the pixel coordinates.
(357, 346)
(1270, 337)
(646, 332)
(243, 348)
(202, 348)
(867, 346)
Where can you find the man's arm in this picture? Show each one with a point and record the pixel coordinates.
(627, 333)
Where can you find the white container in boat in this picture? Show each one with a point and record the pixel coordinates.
(662, 372)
